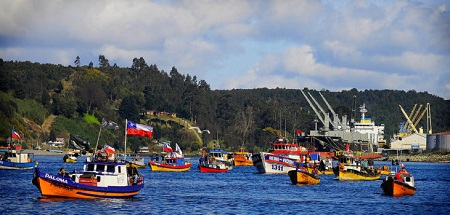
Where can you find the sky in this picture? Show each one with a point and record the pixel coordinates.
(332, 44)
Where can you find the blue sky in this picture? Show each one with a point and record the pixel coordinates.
(333, 45)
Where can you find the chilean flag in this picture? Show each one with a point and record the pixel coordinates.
(109, 149)
(167, 148)
(135, 129)
(15, 135)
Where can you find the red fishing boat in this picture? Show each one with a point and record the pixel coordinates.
(212, 168)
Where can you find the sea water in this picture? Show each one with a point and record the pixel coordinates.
(240, 191)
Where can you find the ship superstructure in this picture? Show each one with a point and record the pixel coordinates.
(363, 135)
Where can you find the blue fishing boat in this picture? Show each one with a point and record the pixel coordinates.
(16, 160)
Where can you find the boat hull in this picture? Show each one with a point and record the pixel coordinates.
(242, 161)
(70, 160)
(303, 178)
(62, 186)
(16, 166)
(385, 172)
(396, 188)
(157, 167)
(140, 166)
(355, 175)
(208, 169)
(273, 164)
(326, 172)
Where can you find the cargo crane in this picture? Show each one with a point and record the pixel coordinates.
(412, 123)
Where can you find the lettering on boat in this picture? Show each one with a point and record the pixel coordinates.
(52, 177)
(277, 167)
(61, 186)
(280, 159)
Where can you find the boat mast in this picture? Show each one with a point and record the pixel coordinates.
(125, 150)
(98, 138)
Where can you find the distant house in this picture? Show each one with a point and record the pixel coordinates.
(58, 143)
(143, 149)
(161, 113)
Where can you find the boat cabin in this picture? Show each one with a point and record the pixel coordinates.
(105, 174)
(219, 154)
(15, 157)
(174, 161)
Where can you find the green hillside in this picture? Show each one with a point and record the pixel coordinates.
(45, 101)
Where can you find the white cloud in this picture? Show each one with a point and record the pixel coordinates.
(331, 44)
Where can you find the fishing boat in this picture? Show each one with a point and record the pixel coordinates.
(399, 184)
(302, 176)
(99, 179)
(349, 170)
(103, 175)
(172, 162)
(282, 158)
(208, 163)
(14, 159)
(70, 157)
(384, 170)
(138, 162)
(206, 167)
(221, 156)
(242, 158)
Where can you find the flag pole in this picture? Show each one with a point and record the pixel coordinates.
(98, 138)
(126, 127)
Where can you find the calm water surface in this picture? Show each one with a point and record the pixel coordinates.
(240, 191)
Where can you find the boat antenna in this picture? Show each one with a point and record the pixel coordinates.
(98, 138)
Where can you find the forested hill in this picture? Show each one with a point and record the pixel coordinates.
(44, 101)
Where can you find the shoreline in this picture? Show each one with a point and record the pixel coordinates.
(425, 157)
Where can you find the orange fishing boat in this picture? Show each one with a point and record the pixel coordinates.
(399, 184)
(242, 158)
(99, 179)
(302, 176)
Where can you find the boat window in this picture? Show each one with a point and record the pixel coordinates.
(90, 167)
(101, 168)
(407, 179)
(110, 168)
(98, 178)
(120, 169)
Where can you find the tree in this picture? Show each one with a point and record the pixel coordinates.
(77, 61)
(128, 109)
(103, 62)
(138, 64)
(91, 65)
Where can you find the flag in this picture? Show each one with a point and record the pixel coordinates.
(109, 124)
(15, 135)
(109, 149)
(167, 148)
(135, 129)
(178, 149)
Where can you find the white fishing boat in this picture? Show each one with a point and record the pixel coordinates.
(281, 159)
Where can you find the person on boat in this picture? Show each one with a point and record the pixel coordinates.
(371, 164)
(322, 166)
(365, 164)
(62, 172)
(315, 171)
(399, 175)
(308, 159)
